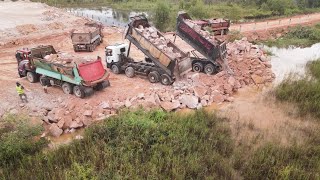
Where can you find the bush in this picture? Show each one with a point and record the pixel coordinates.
(140, 145)
(305, 92)
(294, 162)
(162, 14)
(17, 140)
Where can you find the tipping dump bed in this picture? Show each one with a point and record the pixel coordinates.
(165, 60)
(212, 51)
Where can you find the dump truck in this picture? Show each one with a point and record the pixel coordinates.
(88, 37)
(214, 51)
(164, 61)
(79, 78)
(218, 26)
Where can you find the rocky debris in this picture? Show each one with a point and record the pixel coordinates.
(88, 113)
(66, 59)
(163, 44)
(55, 130)
(202, 32)
(190, 101)
(104, 105)
(170, 106)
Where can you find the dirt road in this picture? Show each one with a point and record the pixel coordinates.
(277, 23)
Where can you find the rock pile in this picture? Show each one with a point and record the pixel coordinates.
(66, 59)
(202, 32)
(158, 40)
(69, 117)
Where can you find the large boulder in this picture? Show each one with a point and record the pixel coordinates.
(200, 91)
(190, 101)
(170, 106)
(55, 130)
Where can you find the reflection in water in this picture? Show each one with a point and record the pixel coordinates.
(105, 15)
(292, 59)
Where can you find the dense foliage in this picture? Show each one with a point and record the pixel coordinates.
(159, 145)
(305, 92)
(299, 36)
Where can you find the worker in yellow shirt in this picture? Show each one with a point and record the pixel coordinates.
(20, 91)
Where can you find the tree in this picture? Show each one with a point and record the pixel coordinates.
(162, 15)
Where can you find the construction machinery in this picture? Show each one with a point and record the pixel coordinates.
(218, 26)
(87, 38)
(213, 50)
(161, 65)
(80, 78)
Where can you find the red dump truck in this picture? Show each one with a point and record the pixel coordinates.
(165, 61)
(214, 50)
(87, 38)
(218, 26)
(76, 77)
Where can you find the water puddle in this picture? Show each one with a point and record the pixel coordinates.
(106, 15)
(292, 59)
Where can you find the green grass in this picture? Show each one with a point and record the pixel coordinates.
(299, 36)
(159, 145)
(139, 145)
(17, 140)
(304, 92)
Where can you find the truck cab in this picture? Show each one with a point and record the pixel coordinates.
(23, 57)
(113, 53)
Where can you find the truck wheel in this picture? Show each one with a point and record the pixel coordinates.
(129, 72)
(166, 79)
(197, 67)
(67, 88)
(115, 69)
(44, 81)
(209, 69)
(102, 85)
(154, 77)
(78, 91)
(32, 77)
(75, 48)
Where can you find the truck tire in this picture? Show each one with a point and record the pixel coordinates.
(45, 81)
(129, 72)
(115, 69)
(166, 79)
(75, 48)
(197, 67)
(79, 91)
(32, 77)
(102, 85)
(154, 77)
(209, 69)
(67, 88)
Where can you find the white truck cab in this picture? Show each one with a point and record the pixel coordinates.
(113, 52)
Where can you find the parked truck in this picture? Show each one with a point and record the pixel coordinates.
(160, 66)
(88, 37)
(80, 79)
(218, 26)
(214, 52)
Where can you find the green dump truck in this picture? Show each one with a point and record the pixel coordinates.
(78, 77)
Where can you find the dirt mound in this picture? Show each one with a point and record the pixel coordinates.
(56, 25)
(26, 29)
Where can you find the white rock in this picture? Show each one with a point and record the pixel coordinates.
(190, 101)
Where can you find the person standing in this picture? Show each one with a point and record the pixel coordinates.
(20, 91)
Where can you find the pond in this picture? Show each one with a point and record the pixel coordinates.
(106, 15)
(293, 59)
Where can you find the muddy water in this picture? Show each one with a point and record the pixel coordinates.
(292, 59)
(106, 15)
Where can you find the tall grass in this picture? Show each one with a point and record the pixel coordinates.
(301, 36)
(139, 145)
(304, 92)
